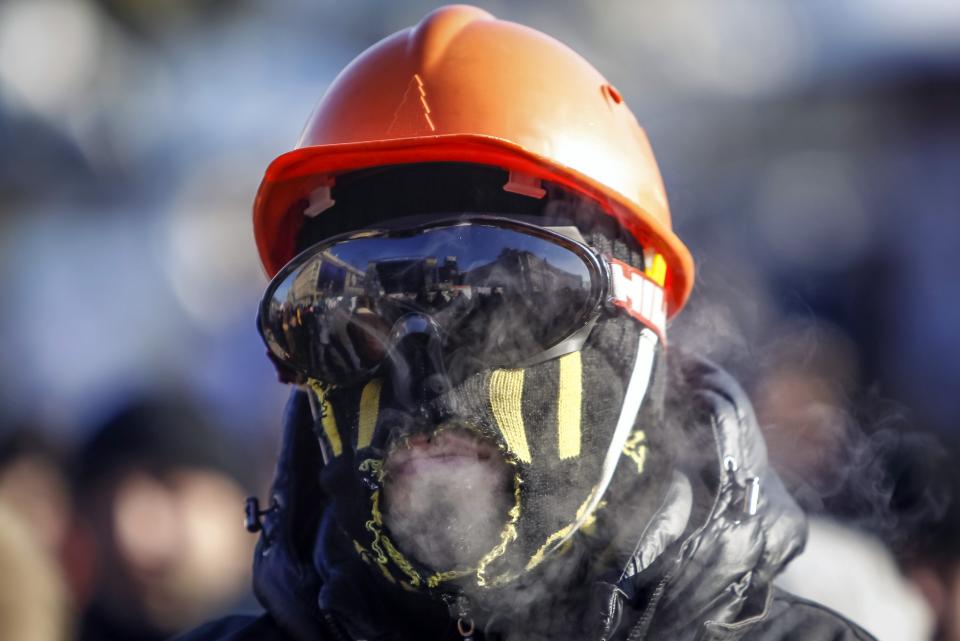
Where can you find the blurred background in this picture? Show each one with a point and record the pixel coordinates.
(811, 153)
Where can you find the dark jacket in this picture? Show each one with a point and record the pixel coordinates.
(712, 582)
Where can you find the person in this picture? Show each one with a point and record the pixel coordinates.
(33, 483)
(855, 573)
(929, 551)
(34, 599)
(521, 456)
(156, 484)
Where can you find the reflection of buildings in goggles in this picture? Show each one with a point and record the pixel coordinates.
(336, 282)
(334, 311)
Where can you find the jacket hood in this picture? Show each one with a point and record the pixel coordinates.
(705, 561)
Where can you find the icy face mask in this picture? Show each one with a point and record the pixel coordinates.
(547, 437)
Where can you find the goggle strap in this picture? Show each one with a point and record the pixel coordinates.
(638, 295)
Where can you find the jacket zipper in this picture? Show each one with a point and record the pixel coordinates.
(642, 627)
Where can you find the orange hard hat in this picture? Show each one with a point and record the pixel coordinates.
(462, 86)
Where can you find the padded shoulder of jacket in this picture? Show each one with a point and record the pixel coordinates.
(792, 618)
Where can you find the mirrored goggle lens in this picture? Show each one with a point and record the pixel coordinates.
(499, 296)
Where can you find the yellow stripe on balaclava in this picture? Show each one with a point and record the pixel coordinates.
(569, 401)
(636, 449)
(369, 410)
(506, 402)
(327, 420)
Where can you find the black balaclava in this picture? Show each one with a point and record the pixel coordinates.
(565, 425)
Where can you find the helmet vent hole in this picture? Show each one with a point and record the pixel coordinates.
(612, 94)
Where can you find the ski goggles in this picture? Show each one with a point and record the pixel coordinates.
(497, 292)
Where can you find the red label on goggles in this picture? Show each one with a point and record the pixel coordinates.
(500, 294)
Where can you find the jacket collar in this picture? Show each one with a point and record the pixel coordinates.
(739, 525)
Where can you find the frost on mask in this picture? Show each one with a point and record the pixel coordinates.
(493, 482)
(481, 484)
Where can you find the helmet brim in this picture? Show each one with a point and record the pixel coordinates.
(290, 178)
